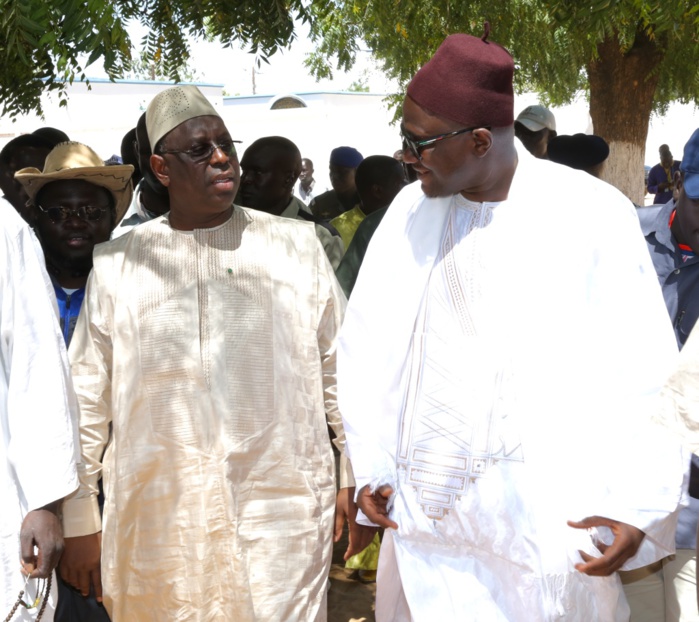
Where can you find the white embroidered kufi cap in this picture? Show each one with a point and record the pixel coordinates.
(174, 106)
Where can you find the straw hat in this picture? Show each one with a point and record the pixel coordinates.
(72, 160)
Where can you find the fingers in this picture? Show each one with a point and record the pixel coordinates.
(592, 521)
(385, 491)
(374, 505)
(339, 524)
(603, 566)
(627, 539)
(360, 537)
(29, 561)
(97, 584)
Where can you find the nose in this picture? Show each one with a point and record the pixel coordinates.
(408, 155)
(245, 177)
(219, 157)
(74, 222)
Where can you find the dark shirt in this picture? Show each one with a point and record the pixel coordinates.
(656, 176)
(678, 279)
(327, 206)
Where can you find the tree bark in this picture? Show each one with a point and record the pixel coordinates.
(622, 88)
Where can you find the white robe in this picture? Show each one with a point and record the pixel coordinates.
(212, 355)
(523, 402)
(38, 434)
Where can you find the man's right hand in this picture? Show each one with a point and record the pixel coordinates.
(80, 563)
(375, 505)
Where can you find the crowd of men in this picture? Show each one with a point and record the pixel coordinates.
(185, 330)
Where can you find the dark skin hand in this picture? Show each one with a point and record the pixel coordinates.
(375, 505)
(80, 564)
(627, 539)
(41, 528)
(360, 536)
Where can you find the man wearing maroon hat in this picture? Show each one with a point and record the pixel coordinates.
(493, 399)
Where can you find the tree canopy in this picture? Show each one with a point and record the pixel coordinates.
(552, 41)
(45, 44)
(630, 56)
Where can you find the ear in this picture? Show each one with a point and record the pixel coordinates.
(31, 211)
(482, 141)
(160, 169)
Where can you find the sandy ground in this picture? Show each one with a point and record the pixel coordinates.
(348, 600)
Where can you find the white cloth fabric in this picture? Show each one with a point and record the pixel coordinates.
(212, 354)
(681, 395)
(515, 396)
(38, 437)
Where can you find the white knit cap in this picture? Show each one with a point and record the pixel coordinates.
(174, 106)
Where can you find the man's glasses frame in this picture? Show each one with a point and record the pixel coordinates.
(61, 213)
(416, 147)
(203, 151)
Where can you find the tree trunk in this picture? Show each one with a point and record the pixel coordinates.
(622, 88)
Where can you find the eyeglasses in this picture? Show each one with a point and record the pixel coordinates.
(61, 213)
(203, 151)
(416, 147)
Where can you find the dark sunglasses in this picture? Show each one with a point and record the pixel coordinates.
(416, 147)
(60, 213)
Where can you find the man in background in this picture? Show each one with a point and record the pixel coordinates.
(661, 176)
(270, 168)
(343, 196)
(535, 126)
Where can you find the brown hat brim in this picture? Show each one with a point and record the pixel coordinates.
(116, 179)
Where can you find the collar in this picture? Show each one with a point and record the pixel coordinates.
(655, 221)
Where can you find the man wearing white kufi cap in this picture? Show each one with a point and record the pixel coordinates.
(207, 341)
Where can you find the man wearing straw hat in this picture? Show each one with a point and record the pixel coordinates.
(207, 341)
(74, 203)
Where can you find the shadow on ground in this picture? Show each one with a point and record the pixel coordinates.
(348, 600)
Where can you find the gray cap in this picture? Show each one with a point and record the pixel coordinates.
(536, 118)
(174, 106)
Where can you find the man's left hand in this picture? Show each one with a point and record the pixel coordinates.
(41, 529)
(627, 539)
(360, 536)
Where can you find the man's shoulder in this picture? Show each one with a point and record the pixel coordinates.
(650, 217)
(329, 196)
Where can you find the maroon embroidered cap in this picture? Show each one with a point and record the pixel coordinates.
(468, 80)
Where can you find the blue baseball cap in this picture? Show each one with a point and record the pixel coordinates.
(346, 156)
(690, 166)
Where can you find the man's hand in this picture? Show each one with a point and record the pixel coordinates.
(80, 564)
(360, 536)
(375, 505)
(627, 539)
(41, 529)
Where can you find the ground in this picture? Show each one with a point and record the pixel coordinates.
(348, 600)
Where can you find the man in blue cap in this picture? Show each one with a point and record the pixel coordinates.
(667, 590)
(343, 196)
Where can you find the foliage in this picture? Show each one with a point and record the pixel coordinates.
(45, 44)
(552, 41)
(144, 68)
